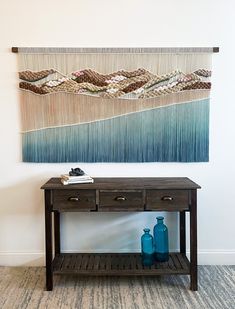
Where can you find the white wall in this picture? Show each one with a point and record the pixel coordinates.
(116, 23)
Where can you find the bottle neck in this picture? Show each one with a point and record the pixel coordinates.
(146, 231)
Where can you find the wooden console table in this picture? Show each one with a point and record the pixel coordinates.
(120, 194)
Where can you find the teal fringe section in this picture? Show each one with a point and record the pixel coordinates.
(176, 133)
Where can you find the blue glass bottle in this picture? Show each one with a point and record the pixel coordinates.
(147, 248)
(160, 233)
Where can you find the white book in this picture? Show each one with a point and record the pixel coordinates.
(77, 180)
(68, 182)
(68, 177)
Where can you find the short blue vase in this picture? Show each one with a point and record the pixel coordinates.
(160, 233)
(147, 248)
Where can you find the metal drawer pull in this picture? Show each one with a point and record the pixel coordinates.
(73, 199)
(167, 198)
(120, 198)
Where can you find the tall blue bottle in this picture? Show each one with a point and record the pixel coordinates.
(147, 248)
(160, 233)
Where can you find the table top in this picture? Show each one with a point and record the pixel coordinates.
(113, 183)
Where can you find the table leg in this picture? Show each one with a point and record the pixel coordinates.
(182, 233)
(48, 235)
(193, 241)
(57, 231)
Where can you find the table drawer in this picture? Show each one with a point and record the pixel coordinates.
(122, 200)
(77, 200)
(167, 199)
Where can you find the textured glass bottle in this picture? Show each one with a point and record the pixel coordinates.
(147, 248)
(160, 233)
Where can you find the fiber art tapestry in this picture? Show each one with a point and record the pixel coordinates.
(115, 106)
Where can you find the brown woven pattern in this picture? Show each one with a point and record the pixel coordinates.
(157, 79)
(90, 76)
(166, 90)
(126, 82)
(133, 86)
(94, 81)
(35, 76)
(33, 88)
(124, 86)
(138, 83)
(73, 86)
(203, 72)
(98, 79)
(198, 85)
(128, 74)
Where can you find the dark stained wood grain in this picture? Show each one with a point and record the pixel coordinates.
(57, 231)
(114, 200)
(48, 240)
(120, 194)
(193, 241)
(14, 49)
(182, 232)
(114, 50)
(74, 200)
(167, 200)
(120, 264)
(127, 183)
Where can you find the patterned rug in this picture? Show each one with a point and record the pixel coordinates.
(24, 287)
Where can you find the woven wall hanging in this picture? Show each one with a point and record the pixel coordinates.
(115, 104)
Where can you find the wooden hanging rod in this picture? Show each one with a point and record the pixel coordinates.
(113, 50)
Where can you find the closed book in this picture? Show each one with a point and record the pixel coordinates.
(68, 177)
(69, 182)
(77, 180)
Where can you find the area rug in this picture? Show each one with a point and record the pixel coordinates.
(24, 287)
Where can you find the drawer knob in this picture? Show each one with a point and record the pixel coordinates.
(167, 198)
(120, 198)
(74, 199)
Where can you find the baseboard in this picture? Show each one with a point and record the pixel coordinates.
(218, 257)
(22, 258)
(205, 257)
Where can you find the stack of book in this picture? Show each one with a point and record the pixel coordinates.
(69, 180)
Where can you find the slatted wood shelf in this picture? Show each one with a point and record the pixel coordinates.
(117, 264)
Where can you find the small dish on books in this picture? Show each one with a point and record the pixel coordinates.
(67, 179)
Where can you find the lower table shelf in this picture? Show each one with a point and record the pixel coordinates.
(118, 264)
